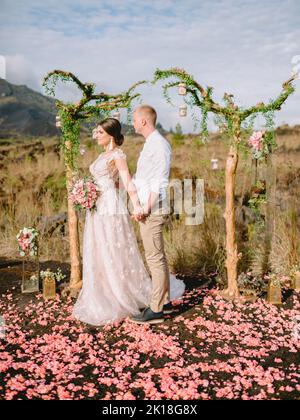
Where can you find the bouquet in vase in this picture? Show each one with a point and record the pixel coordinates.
(28, 241)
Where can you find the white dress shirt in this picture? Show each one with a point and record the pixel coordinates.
(153, 168)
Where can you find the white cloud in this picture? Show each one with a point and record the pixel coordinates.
(232, 45)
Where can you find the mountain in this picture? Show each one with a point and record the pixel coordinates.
(25, 112)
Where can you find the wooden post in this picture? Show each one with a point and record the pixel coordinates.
(75, 258)
(270, 211)
(232, 291)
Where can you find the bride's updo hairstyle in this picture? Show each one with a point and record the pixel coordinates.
(113, 127)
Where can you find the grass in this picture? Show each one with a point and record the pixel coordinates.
(33, 185)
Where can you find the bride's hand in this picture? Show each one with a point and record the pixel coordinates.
(137, 212)
(146, 211)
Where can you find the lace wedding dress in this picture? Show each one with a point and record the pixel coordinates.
(116, 283)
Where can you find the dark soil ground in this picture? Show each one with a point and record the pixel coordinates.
(206, 349)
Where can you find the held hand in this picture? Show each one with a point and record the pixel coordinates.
(146, 211)
(140, 214)
(137, 213)
(145, 214)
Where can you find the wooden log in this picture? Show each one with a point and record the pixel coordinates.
(270, 212)
(232, 257)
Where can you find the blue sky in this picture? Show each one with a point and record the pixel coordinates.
(241, 47)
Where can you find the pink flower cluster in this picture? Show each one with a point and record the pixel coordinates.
(27, 241)
(256, 140)
(24, 241)
(84, 194)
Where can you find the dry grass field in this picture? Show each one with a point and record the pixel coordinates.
(32, 190)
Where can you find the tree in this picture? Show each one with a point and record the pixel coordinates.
(71, 115)
(231, 118)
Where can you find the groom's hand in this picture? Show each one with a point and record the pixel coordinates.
(140, 217)
(137, 213)
(144, 215)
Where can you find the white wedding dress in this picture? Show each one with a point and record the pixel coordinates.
(116, 283)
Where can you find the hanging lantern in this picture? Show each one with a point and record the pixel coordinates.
(182, 89)
(274, 291)
(58, 121)
(94, 136)
(183, 111)
(214, 164)
(116, 115)
(82, 150)
(49, 287)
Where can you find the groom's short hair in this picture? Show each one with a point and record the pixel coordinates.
(149, 112)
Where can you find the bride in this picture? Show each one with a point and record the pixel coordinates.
(116, 283)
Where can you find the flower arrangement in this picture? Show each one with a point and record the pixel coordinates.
(260, 143)
(57, 275)
(84, 194)
(257, 144)
(28, 241)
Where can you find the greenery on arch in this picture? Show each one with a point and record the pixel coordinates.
(90, 105)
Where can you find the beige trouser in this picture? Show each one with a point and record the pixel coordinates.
(152, 236)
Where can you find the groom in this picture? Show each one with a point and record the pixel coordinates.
(151, 181)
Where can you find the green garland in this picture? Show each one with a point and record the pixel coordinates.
(71, 115)
(229, 117)
(70, 133)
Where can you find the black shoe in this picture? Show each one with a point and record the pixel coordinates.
(168, 308)
(140, 315)
(148, 317)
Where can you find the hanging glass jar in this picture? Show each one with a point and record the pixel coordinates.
(214, 164)
(82, 150)
(183, 111)
(182, 89)
(58, 121)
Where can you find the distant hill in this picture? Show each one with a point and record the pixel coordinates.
(26, 112)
